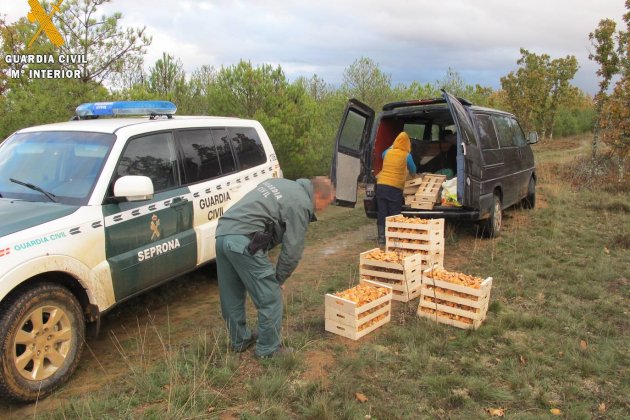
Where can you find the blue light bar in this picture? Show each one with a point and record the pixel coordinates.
(97, 109)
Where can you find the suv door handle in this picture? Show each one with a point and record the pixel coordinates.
(235, 187)
(178, 202)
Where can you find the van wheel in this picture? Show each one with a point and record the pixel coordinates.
(41, 340)
(491, 227)
(529, 202)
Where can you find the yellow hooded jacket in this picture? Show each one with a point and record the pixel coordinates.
(394, 170)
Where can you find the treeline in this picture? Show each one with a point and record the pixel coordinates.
(612, 109)
(300, 116)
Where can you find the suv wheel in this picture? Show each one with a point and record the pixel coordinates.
(492, 226)
(41, 340)
(529, 202)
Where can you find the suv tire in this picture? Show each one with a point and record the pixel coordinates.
(491, 227)
(41, 340)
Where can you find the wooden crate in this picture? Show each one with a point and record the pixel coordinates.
(405, 278)
(429, 189)
(413, 237)
(427, 258)
(437, 296)
(345, 318)
(418, 203)
(414, 183)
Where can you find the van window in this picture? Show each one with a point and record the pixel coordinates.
(153, 156)
(415, 131)
(505, 131)
(201, 160)
(352, 132)
(224, 149)
(519, 137)
(488, 134)
(247, 146)
(423, 131)
(464, 122)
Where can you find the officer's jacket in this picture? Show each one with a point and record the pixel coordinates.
(288, 204)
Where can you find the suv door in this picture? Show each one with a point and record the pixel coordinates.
(350, 151)
(215, 181)
(148, 242)
(468, 154)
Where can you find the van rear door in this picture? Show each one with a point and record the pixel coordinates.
(468, 154)
(349, 155)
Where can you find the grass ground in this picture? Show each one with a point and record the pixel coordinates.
(556, 337)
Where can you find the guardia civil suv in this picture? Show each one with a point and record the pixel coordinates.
(97, 210)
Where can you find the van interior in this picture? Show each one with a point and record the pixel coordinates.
(433, 137)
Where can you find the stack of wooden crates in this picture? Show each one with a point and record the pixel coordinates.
(413, 248)
(424, 192)
(460, 305)
(412, 245)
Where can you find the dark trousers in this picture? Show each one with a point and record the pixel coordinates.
(389, 201)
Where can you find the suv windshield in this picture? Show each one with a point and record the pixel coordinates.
(61, 164)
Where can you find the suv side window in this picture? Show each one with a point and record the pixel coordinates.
(222, 143)
(201, 160)
(247, 146)
(154, 156)
(504, 127)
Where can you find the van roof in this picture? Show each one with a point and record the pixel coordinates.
(437, 101)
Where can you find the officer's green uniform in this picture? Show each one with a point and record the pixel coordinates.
(289, 205)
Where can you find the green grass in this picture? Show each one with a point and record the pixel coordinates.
(556, 335)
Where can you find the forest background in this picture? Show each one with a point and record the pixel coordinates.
(301, 116)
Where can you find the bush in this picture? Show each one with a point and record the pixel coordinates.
(601, 173)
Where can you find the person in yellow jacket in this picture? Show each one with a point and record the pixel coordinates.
(391, 181)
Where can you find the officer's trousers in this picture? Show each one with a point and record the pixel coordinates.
(239, 272)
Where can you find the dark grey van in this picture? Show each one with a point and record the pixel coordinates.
(485, 149)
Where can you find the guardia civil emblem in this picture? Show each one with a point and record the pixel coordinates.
(155, 227)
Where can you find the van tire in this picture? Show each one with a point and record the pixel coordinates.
(529, 202)
(42, 333)
(491, 227)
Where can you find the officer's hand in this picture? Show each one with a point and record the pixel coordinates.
(282, 286)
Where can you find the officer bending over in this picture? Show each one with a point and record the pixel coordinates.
(277, 211)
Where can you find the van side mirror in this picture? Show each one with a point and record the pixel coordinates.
(532, 137)
(134, 188)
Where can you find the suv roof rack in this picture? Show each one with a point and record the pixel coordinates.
(416, 102)
(92, 110)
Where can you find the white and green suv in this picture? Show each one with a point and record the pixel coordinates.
(95, 211)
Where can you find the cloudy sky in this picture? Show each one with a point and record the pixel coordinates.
(409, 39)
